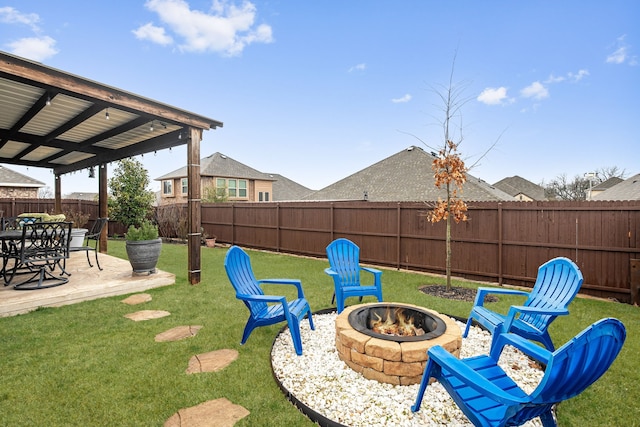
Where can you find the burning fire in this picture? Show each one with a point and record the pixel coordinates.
(402, 326)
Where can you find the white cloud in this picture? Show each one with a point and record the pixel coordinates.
(621, 54)
(493, 95)
(228, 29)
(555, 79)
(535, 90)
(38, 48)
(618, 57)
(579, 75)
(359, 67)
(10, 15)
(406, 98)
(153, 34)
(34, 48)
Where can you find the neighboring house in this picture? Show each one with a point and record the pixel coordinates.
(286, 189)
(16, 185)
(237, 181)
(604, 185)
(629, 189)
(404, 176)
(521, 189)
(82, 196)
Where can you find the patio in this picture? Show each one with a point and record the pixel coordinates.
(85, 283)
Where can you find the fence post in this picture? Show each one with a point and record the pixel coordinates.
(635, 281)
(500, 237)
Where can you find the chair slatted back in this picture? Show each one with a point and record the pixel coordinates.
(238, 267)
(96, 228)
(42, 241)
(557, 283)
(344, 259)
(580, 362)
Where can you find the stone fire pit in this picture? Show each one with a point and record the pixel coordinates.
(391, 359)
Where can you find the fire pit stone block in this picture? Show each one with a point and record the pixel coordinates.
(387, 350)
(388, 361)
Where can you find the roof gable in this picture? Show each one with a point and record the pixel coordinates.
(517, 185)
(220, 165)
(404, 176)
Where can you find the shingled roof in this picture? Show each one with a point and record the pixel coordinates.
(629, 189)
(404, 176)
(516, 185)
(11, 178)
(286, 189)
(220, 165)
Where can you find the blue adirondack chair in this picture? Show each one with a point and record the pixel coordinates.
(265, 309)
(345, 269)
(489, 397)
(556, 285)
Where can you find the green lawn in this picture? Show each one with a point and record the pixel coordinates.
(87, 365)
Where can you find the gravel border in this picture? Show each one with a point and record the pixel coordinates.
(331, 394)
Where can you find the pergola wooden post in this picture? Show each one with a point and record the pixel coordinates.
(103, 207)
(194, 202)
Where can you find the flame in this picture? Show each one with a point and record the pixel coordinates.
(402, 326)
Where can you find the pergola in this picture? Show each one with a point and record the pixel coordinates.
(56, 120)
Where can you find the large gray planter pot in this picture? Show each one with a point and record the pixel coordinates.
(143, 254)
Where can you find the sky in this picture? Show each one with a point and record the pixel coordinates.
(319, 90)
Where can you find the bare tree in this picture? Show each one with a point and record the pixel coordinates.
(448, 167)
(45, 193)
(605, 173)
(563, 189)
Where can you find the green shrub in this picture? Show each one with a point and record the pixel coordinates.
(146, 231)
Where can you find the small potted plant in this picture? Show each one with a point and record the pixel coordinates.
(205, 239)
(143, 247)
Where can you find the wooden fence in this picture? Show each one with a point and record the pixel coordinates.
(504, 243)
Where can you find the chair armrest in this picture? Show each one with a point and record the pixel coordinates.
(515, 309)
(371, 270)
(377, 274)
(330, 271)
(528, 347)
(294, 282)
(262, 298)
(483, 292)
(471, 378)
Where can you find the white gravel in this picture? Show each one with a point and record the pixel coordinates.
(324, 383)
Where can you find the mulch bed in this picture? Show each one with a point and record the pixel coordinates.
(454, 293)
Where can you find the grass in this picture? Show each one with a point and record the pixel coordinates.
(86, 364)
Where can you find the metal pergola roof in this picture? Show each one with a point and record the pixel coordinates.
(56, 120)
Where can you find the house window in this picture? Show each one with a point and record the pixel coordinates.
(232, 188)
(185, 185)
(167, 188)
(263, 196)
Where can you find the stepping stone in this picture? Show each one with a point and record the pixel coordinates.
(214, 413)
(147, 315)
(178, 333)
(137, 299)
(212, 361)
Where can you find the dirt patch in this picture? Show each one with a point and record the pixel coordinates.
(455, 293)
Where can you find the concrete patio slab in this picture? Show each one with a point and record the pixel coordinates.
(85, 283)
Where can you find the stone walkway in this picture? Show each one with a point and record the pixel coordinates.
(215, 413)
